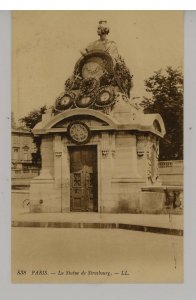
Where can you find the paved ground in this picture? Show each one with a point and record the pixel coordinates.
(20, 213)
(157, 221)
(147, 257)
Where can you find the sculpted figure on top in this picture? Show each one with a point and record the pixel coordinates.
(103, 44)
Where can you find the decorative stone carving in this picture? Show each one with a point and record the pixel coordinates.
(152, 154)
(157, 157)
(58, 154)
(57, 146)
(105, 153)
(174, 199)
(113, 145)
(148, 147)
(149, 162)
(79, 132)
(105, 145)
(141, 145)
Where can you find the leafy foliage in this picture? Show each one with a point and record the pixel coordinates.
(30, 121)
(166, 90)
(36, 157)
(33, 117)
(124, 76)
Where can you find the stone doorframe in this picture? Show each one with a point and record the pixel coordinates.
(105, 157)
(65, 174)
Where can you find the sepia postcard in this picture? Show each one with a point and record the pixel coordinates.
(97, 147)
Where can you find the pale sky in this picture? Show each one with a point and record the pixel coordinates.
(47, 44)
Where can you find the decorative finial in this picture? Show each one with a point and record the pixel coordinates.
(103, 29)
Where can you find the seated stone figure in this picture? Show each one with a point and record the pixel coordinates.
(103, 44)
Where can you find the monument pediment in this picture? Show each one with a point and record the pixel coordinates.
(94, 119)
(97, 120)
(92, 122)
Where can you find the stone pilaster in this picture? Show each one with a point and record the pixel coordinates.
(57, 161)
(106, 167)
(65, 177)
(126, 157)
(47, 154)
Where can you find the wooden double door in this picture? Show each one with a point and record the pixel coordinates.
(83, 178)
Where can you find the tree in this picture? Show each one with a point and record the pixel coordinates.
(33, 117)
(166, 89)
(30, 121)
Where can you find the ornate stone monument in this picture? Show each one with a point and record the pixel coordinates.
(98, 150)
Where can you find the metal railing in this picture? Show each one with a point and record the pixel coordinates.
(25, 173)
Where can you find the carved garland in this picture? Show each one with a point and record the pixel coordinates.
(152, 150)
(141, 145)
(123, 76)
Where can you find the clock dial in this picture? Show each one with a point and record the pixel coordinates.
(79, 132)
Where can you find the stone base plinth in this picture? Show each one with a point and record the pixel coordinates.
(125, 196)
(158, 199)
(152, 202)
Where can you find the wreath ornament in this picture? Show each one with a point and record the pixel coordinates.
(84, 101)
(89, 86)
(73, 83)
(65, 101)
(105, 96)
(123, 76)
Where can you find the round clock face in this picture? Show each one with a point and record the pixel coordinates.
(92, 69)
(79, 132)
